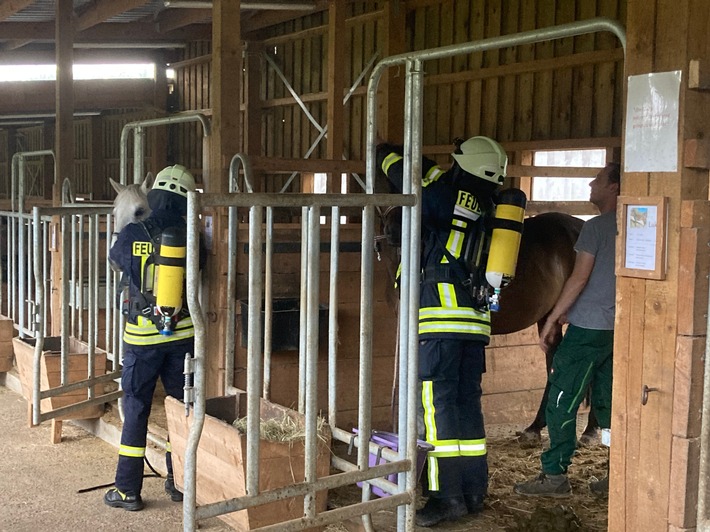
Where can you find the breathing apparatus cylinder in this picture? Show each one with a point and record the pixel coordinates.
(505, 242)
(169, 277)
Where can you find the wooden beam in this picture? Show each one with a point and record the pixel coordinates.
(281, 165)
(101, 10)
(10, 7)
(110, 32)
(336, 86)
(173, 19)
(699, 74)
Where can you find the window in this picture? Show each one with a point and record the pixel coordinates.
(320, 182)
(80, 71)
(565, 188)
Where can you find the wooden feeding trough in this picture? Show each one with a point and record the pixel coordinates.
(50, 376)
(7, 331)
(221, 460)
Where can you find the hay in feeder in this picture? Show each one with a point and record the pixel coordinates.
(285, 429)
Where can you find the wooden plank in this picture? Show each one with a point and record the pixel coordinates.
(475, 62)
(508, 94)
(430, 107)
(562, 78)
(489, 111)
(583, 79)
(685, 463)
(524, 109)
(392, 83)
(688, 387)
(458, 109)
(336, 85)
(693, 263)
(699, 75)
(443, 119)
(543, 80)
(514, 369)
(513, 407)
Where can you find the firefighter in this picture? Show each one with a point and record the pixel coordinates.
(152, 350)
(454, 321)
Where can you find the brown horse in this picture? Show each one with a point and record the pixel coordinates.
(545, 261)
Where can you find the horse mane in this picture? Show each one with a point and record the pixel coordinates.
(131, 203)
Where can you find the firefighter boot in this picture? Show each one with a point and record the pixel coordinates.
(170, 489)
(128, 501)
(474, 503)
(438, 510)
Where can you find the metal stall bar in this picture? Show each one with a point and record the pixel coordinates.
(140, 125)
(41, 216)
(256, 202)
(413, 153)
(230, 342)
(17, 202)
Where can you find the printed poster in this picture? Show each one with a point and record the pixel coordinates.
(651, 143)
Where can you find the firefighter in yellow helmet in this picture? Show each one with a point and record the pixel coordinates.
(155, 344)
(454, 322)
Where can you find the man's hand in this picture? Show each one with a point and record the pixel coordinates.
(551, 333)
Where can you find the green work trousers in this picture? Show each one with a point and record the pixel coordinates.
(584, 357)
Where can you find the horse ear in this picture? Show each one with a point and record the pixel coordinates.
(118, 187)
(147, 182)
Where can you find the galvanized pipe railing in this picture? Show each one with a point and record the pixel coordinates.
(41, 216)
(138, 128)
(17, 202)
(230, 341)
(412, 157)
(313, 203)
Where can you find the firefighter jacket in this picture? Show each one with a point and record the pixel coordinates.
(132, 249)
(452, 221)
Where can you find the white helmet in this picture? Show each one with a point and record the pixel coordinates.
(175, 179)
(484, 158)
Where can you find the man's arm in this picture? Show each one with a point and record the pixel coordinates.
(583, 265)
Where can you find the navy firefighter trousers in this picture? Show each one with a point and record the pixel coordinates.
(142, 366)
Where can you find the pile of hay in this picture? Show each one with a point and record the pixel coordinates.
(285, 429)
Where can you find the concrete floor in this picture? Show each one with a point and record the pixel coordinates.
(39, 480)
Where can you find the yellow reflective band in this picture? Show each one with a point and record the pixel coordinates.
(473, 447)
(133, 452)
(465, 213)
(432, 176)
(389, 161)
(429, 410)
(447, 295)
(168, 447)
(457, 313)
(454, 243)
(433, 473)
(444, 448)
(453, 327)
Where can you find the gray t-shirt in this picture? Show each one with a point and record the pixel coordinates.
(595, 306)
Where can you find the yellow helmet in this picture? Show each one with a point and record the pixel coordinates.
(175, 179)
(482, 157)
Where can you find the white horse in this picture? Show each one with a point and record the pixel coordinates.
(131, 203)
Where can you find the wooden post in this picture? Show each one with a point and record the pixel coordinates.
(653, 446)
(64, 138)
(336, 85)
(391, 124)
(224, 143)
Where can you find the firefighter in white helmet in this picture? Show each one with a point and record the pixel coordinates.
(155, 344)
(454, 322)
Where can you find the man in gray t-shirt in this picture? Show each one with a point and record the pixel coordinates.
(584, 356)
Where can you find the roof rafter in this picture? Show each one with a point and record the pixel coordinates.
(172, 19)
(107, 32)
(102, 10)
(10, 7)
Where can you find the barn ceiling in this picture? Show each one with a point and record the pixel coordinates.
(29, 24)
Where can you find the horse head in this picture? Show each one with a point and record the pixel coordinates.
(131, 203)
